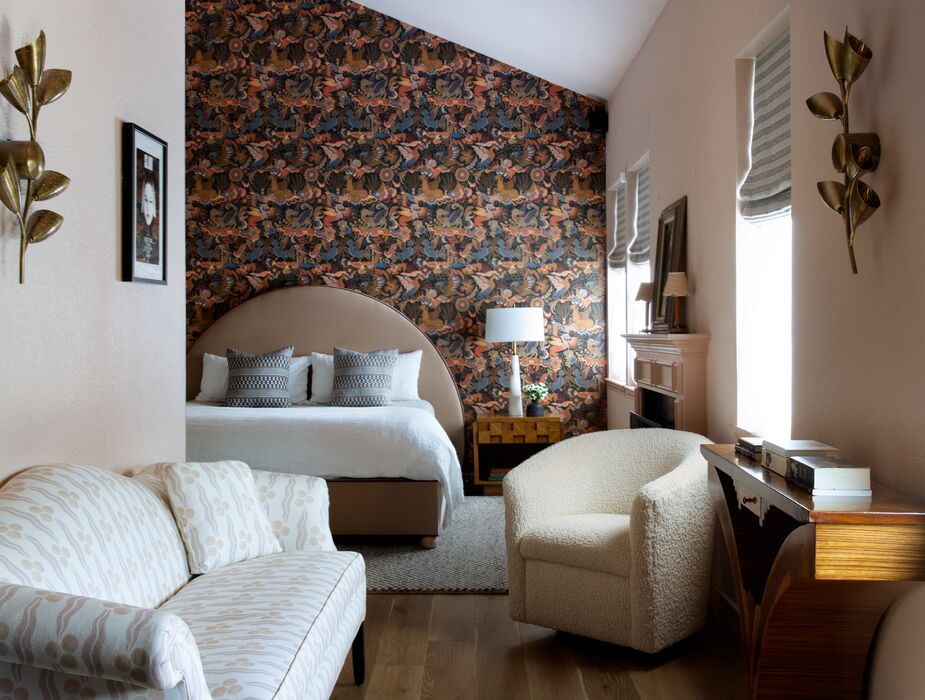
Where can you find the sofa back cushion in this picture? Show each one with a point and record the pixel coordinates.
(90, 532)
(218, 511)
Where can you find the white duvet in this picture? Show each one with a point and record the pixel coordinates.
(402, 440)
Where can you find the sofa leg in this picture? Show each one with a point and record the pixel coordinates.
(359, 657)
(428, 543)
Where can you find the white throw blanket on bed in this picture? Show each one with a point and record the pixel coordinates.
(403, 440)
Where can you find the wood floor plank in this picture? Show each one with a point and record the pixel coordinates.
(453, 619)
(607, 683)
(404, 641)
(378, 608)
(552, 673)
(491, 608)
(499, 662)
(449, 670)
(695, 669)
(467, 647)
(395, 683)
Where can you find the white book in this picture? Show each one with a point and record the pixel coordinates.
(777, 454)
(828, 472)
(841, 493)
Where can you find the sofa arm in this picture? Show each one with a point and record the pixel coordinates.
(672, 543)
(297, 507)
(89, 637)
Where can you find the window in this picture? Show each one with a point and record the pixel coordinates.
(764, 254)
(628, 266)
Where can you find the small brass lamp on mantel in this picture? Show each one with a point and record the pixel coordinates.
(23, 177)
(645, 293)
(677, 287)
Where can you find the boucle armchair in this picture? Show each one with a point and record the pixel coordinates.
(609, 535)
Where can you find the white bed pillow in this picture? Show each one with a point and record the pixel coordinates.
(322, 377)
(404, 378)
(214, 383)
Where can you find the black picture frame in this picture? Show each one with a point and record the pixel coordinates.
(144, 206)
(670, 256)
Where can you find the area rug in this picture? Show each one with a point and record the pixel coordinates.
(469, 557)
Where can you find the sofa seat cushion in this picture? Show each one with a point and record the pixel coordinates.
(595, 541)
(263, 625)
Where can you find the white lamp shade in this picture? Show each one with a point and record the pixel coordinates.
(514, 324)
(645, 291)
(676, 285)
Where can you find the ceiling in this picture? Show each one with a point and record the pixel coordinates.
(583, 45)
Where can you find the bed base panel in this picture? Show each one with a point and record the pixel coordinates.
(385, 507)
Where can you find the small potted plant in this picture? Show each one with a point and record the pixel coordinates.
(537, 392)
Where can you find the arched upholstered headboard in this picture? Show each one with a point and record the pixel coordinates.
(315, 319)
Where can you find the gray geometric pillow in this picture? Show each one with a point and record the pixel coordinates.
(258, 381)
(363, 378)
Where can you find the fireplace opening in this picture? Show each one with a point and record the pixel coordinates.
(656, 410)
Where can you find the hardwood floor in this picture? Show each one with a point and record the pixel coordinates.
(466, 647)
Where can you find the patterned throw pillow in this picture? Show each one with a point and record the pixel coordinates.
(218, 512)
(258, 381)
(363, 378)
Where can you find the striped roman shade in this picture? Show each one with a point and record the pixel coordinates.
(616, 258)
(765, 193)
(639, 248)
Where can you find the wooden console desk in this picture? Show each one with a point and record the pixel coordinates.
(812, 579)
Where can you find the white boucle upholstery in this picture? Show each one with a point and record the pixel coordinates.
(657, 480)
(595, 541)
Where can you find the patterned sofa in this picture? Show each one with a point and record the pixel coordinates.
(97, 601)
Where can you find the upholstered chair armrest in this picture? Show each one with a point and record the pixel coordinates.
(672, 542)
(89, 637)
(297, 506)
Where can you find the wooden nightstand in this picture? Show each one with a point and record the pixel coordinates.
(500, 443)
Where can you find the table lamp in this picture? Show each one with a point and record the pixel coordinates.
(514, 325)
(645, 294)
(676, 287)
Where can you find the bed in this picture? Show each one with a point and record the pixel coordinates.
(354, 449)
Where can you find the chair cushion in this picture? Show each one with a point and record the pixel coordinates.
(595, 541)
(265, 624)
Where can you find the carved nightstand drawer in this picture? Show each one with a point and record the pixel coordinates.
(502, 442)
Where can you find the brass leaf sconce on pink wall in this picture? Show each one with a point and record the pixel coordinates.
(853, 154)
(29, 87)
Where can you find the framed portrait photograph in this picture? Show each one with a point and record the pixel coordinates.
(144, 206)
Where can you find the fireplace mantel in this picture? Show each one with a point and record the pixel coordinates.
(673, 366)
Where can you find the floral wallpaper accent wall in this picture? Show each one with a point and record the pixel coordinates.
(331, 144)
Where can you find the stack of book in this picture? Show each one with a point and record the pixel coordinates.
(830, 476)
(750, 447)
(777, 455)
(497, 474)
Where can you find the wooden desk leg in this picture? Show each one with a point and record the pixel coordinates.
(805, 637)
(816, 638)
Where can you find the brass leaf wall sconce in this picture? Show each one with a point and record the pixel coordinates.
(29, 87)
(853, 154)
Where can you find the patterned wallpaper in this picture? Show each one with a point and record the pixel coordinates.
(330, 144)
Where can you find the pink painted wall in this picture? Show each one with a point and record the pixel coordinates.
(92, 368)
(859, 381)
